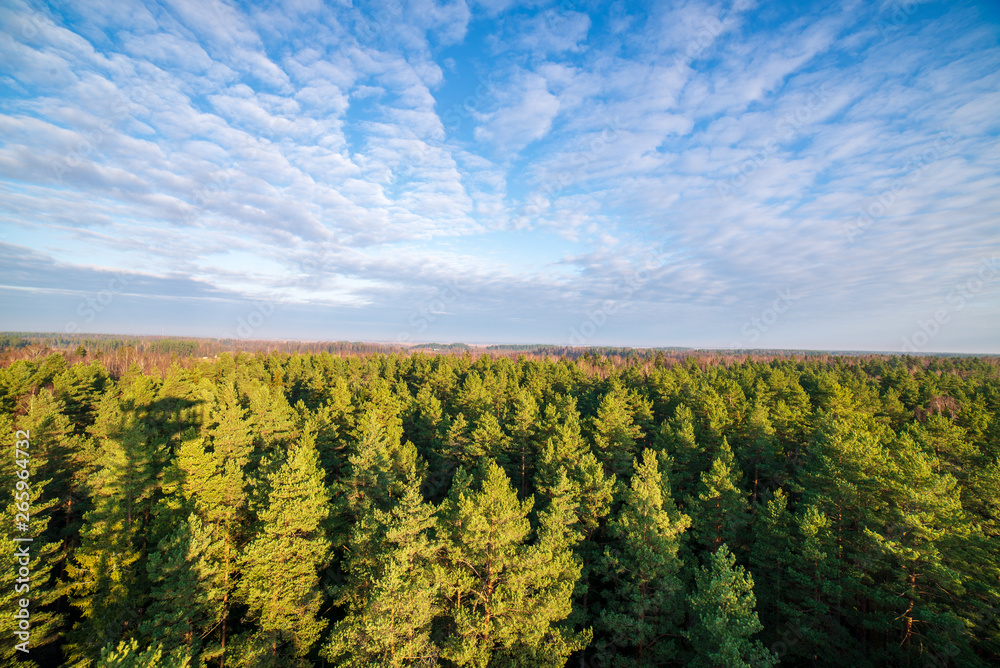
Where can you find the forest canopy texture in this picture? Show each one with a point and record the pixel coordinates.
(419, 510)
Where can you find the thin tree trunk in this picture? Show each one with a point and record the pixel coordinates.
(225, 604)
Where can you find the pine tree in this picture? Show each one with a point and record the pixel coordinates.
(797, 580)
(392, 591)
(500, 594)
(720, 512)
(813, 590)
(722, 608)
(846, 477)
(759, 451)
(271, 420)
(925, 520)
(106, 579)
(565, 451)
(522, 433)
(474, 397)
(772, 556)
(893, 411)
(710, 410)
(453, 451)
(380, 468)
(488, 443)
(212, 484)
(280, 568)
(80, 388)
(644, 610)
(54, 452)
(330, 443)
(562, 441)
(566, 467)
(128, 655)
(594, 492)
(980, 497)
(230, 432)
(177, 401)
(615, 433)
(26, 515)
(551, 571)
(679, 441)
(185, 588)
(423, 422)
(948, 443)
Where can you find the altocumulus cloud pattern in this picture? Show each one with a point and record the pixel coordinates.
(626, 173)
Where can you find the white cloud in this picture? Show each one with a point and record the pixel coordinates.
(526, 118)
(550, 31)
(192, 138)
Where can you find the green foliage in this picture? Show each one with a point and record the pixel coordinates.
(722, 608)
(128, 655)
(720, 510)
(34, 548)
(615, 432)
(643, 614)
(393, 590)
(184, 588)
(298, 509)
(105, 574)
(502, 593)
(281, 564)
(678, 439)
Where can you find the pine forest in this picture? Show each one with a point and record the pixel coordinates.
(492, 510)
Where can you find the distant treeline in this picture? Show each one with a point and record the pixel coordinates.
(153, 351)
(105, 344)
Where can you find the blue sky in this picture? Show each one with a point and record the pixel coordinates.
(737, 174)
